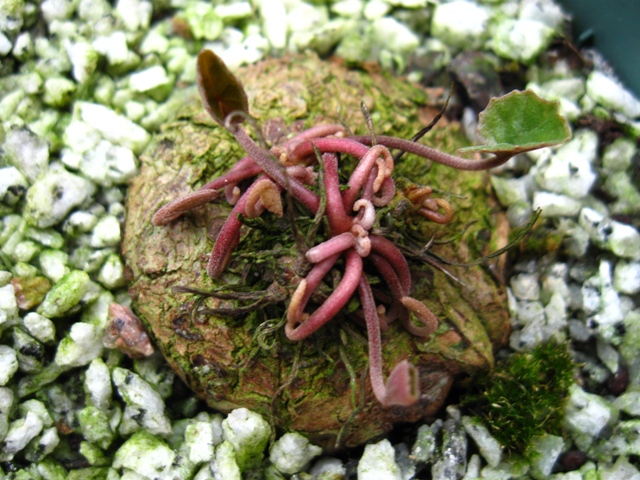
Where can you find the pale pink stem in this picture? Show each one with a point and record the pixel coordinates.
(388, 274)
(337, 244)
(362, 242)
(402, 387)
(391, 253)
(363, 172)
(334, 303)
(373, 333)
(312, 280)
(274, 170)
(328, 145)
(422, 313)
(385, 194)
(406, 303)
(433, 154)
(398, 309)
(366, 213)
(368, 190)
(338, 219)
(304, 174)
(311, 133)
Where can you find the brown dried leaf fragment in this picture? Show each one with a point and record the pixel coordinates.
(125, 332)
(30, 292)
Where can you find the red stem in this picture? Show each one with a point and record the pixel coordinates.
(334, 303)
(311, 133)
(328, 248)
(388, 274)
(313, 279)
(329, 145)
(391, 253)
(274, 170)
(338, 219)
(433, 154)
(228, 236)
(402, 386)
(362, 173)
(373, 334)
(181, 205)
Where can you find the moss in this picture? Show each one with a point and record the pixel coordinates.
(545, 237)
(65, 295)
(30, 292)
(525, 396)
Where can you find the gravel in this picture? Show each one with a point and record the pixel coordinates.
(83, 87)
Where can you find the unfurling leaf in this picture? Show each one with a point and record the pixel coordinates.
(221, 92)
(519, 122)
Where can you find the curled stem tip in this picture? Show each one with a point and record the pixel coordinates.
(423, 314)
(263, 194)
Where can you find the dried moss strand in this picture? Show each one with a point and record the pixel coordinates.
(292, 376)
(243, 311)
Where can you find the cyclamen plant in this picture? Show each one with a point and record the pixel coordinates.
(351, 210)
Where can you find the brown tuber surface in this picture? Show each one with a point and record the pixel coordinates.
(314, 386)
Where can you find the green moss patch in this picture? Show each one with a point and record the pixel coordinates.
(525, 396)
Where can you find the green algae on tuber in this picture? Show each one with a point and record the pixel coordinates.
(329, 236)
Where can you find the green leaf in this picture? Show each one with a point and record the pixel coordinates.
(519, 122)
(221, 92)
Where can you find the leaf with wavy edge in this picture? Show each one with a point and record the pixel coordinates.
(519, 122)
